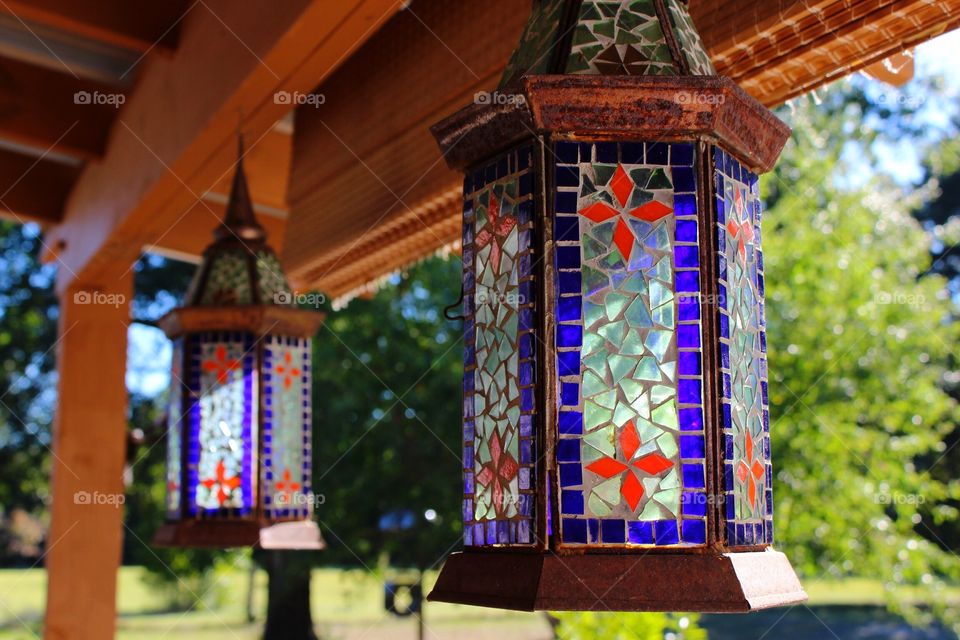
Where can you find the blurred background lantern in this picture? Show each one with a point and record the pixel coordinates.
(616, 427)
(239, 431)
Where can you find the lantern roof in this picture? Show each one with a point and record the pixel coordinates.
(239, 267)
(609, 38)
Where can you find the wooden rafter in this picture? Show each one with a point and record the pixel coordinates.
(33, 189)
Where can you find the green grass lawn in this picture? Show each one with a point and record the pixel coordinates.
(347, 605)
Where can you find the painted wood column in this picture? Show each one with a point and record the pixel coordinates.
(89, 440)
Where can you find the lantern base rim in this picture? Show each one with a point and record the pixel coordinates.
(732, 582)
(298, 534)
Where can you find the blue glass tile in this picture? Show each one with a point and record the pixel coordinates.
(571, 502)
(613, 531)
(686, 256)
(684, 180)
(666, 532)
(525, 211)
(763, 341)
(688, 281)
(569, 309)
(686, 231)
(568, 363)
(640, 532)
(688, 336)
(691, 419)
(571, 475)
(526, 374)
(526, 184)
(691, 447)
(568, 451)
(682, 154)
(725, 415)
(569, 335)
(689, 363)
(574, 531)
(658, 153)
(763, 392)
(569, 281)
(728, 447)
(593, 530)
(569, 394)
(567, 176)
(526, 292)
(526, 399)
(693, 476)
(606, 152)
(695, 531)
(568, 257)
(694, 503)
(631, 152)
(725, 385)
(769, 495)
(567, 152)
(526, 425)
(724, 325)
(728, 475)
(685, 205)
(766, 420)
(570, 423)
(526, 345)
(688, 391)
(566, 228)
(526, 319)
(724, 355)
(565, 202)
(689, 308)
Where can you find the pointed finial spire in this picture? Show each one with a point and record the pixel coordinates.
(240, 221)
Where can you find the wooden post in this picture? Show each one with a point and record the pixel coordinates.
(89, 440)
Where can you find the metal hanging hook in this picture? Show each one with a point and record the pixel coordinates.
(448, 310)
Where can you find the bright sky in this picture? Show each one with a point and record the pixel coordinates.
(149, 353)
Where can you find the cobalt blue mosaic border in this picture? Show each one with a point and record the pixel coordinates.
(303, 346)
(192, 441)
(690, 528)
(520, 530)
(741, 532)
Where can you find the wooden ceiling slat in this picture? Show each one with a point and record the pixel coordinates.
(46, 109)
(139, 26)
(406, 78)
(33, 190)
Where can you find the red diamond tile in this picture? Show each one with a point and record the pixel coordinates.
(652, 211)
(606, 467)
(621, 185)
(653, 464)
(599, 212)
(629, 440)
(623, 237)
(632, 491)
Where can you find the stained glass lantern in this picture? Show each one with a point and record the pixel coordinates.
(239, 432)
(616, 425)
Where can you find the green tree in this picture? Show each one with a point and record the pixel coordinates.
(859, 351)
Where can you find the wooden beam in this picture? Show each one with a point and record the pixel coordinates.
(190, 234)
(139, 26)
(89, 448)
(780, 49)
(176, 136)
(55, 111)
(33, 189)
(268, 170)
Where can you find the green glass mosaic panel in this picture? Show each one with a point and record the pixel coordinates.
(746, 355)
(629, 387)
(228, 281)
(698, 60)
(537, 46)
(271, 282)
(620, 38)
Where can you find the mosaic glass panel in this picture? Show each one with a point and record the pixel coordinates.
(698, 60)
(174, 426)
(630, 456)
(536, 49)
(286, 427)
(272, 285)
(499, 445)
(620, 38)
(228, 280)
(222, 441)
(745, 412)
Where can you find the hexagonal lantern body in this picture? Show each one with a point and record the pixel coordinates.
(616, 425)
(239, 430)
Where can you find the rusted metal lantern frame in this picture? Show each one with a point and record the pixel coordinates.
(523, 154)
(242, 366)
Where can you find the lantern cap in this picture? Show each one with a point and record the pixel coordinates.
(609, 38)
(239, 267)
